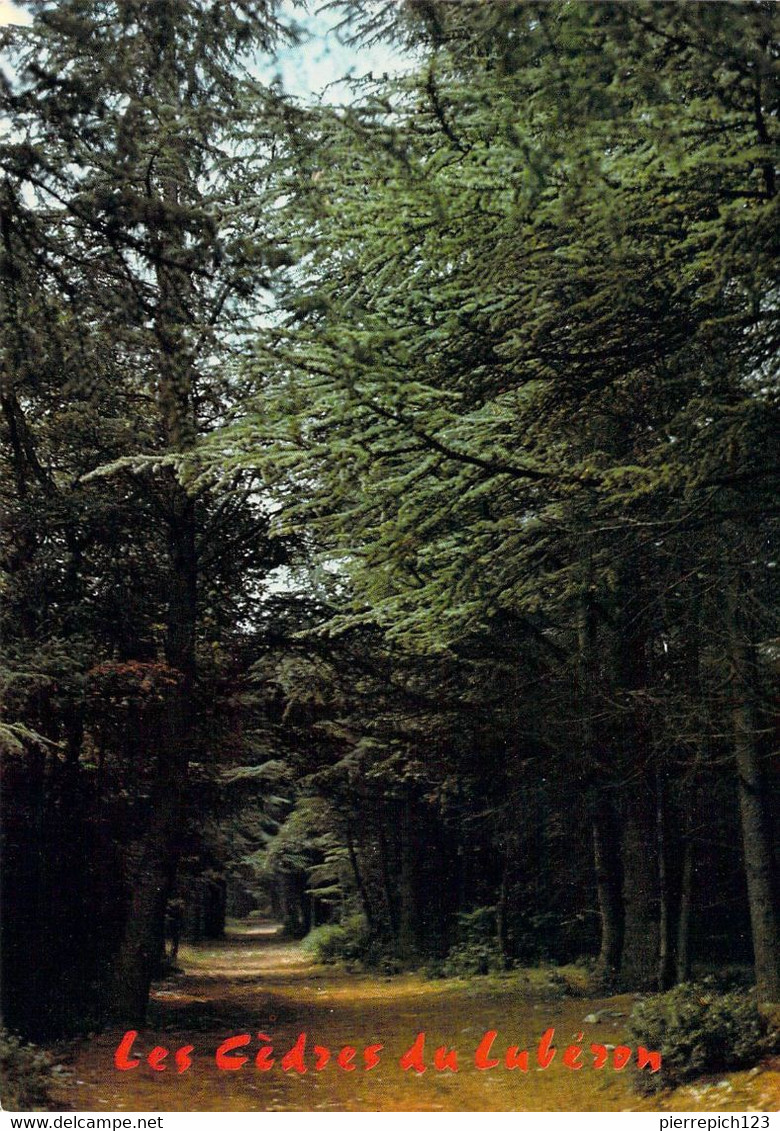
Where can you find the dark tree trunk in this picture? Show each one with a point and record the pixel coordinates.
(214, 911)
(639, 963)
(756, 840)
(305, 907)
(390, 892)
(667, 910)
(152, 884)
(368, 910)
(606, 837)
(701, 725)
(140, 949)
(502, 917)
(152, 879)
(290, 905)
(639, 966)
(176, 378)
(609, 889)
(159, 847)
(408, 911)
(683, 958)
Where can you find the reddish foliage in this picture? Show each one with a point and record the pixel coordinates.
(132, 681)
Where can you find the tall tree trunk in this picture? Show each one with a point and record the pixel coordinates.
(159, 847)
(153, 877)
(683, 958)
(139, 950)
(502, 916)
(368, 910)
(176, 379)
(756, 841)
(667, 910)
(304, 906)
(639, 963)
(609, 889)
(606, 838)
(408, 911)
(390, 892)
(701, 725)
(639, 966)
(214, 912)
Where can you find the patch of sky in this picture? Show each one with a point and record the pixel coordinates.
(11, 14)
(322, 64)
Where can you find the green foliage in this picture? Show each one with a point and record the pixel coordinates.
(477, 950)
(338, 942)
(25, 1075)
(536, 935)
(524, 331)
(306, 842)
(352, 943)
(698, 1030)
(465, 960)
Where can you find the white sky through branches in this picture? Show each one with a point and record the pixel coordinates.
(10, 14)
(321, 60)
(318, 65)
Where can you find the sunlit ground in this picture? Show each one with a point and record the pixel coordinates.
(255, 983)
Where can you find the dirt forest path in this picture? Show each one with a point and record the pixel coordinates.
(253, 982)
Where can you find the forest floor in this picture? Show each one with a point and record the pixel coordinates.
(254, 982)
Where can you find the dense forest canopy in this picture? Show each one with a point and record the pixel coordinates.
(390, 491)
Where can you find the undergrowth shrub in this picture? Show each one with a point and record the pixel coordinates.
(351, 942)
(25, 1075)
(334, 942)
(537, 936)
(477, 950)
(698, 1030)
(467, 959)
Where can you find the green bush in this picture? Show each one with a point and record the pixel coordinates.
(698, 1030)
(25, 1075)
(338, 942)
(351, 942)
(468, 959)
(477, 950)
